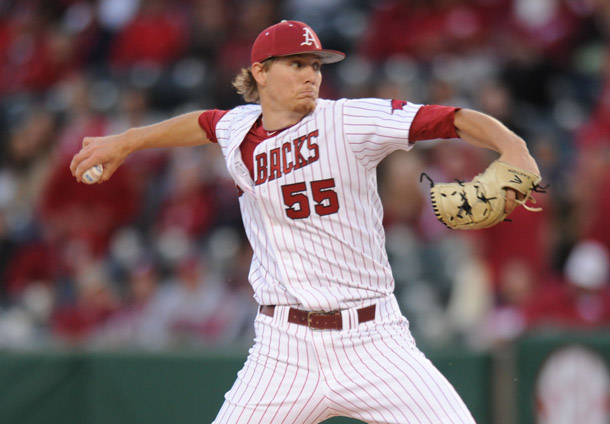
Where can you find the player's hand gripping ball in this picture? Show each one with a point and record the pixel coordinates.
(480, 203)
(93, 174)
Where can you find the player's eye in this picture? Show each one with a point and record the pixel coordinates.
(300, 64)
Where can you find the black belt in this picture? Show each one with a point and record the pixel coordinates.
(320, 320)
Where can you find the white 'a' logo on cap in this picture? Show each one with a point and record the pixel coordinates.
(309, 38)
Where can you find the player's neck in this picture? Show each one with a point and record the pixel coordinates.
(279, 118)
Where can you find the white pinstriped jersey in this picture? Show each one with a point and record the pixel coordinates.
(312, 212)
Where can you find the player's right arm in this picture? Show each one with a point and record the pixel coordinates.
(112, 150)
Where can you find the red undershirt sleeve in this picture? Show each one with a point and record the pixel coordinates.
(433, 122)
(208, 121)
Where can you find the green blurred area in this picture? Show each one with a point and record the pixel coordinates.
(135, 387)
(186, 387)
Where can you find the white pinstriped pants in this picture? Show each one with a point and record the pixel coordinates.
(372, 372)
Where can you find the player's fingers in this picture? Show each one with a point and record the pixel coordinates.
(78, 158)
(79, 165)
(75, 164)
(97, 150)
(511, 200)
(91, 154)
(510, 203)
(81, 162)
(109, 169)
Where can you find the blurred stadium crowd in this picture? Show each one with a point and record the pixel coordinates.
(156, 258)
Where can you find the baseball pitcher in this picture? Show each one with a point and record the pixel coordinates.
(330, 338)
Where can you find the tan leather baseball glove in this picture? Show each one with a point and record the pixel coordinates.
(480, 203)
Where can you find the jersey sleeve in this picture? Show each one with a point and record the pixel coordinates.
(208, 120)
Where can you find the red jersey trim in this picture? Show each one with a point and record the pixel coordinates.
(433, 122)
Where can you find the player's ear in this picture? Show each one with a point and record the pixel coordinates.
(259, 73)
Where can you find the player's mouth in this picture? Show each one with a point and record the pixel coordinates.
(308, 94)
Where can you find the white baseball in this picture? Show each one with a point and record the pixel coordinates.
(93, 174)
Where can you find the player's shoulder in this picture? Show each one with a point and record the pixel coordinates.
(351, 101)
(360, 103)
(355, 110)
(374, 103)
(369, 105)
(247, 109)
(322, 104)
(367, 101)
(240, 113)
(382, 107)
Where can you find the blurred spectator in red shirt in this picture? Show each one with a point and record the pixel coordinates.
(551, 27)
(581, 298)
(515, 289)
(31, 263)
(576, 298)
(69, 210)
(423, 29)
(88, 213)
(157, 35)
(94, 302)
(188, 204)
(526, 238)
(589, 189)
(35, 53)
(589, 193)
(134, 324)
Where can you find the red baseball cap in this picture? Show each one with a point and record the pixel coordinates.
(288, 38)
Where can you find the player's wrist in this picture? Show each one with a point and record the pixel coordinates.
(132, 140)
(521, 159)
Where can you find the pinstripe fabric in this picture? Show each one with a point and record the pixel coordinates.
(314, 219)
(372, 372)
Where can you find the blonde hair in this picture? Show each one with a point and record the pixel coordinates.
(246, 85)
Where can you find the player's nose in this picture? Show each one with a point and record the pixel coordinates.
(311, 75)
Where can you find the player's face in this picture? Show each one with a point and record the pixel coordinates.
(293, 82)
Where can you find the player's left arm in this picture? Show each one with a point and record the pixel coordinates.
(482, 130)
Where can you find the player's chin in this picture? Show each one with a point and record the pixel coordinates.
(305, 105)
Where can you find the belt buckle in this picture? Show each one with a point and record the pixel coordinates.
(311, 313)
